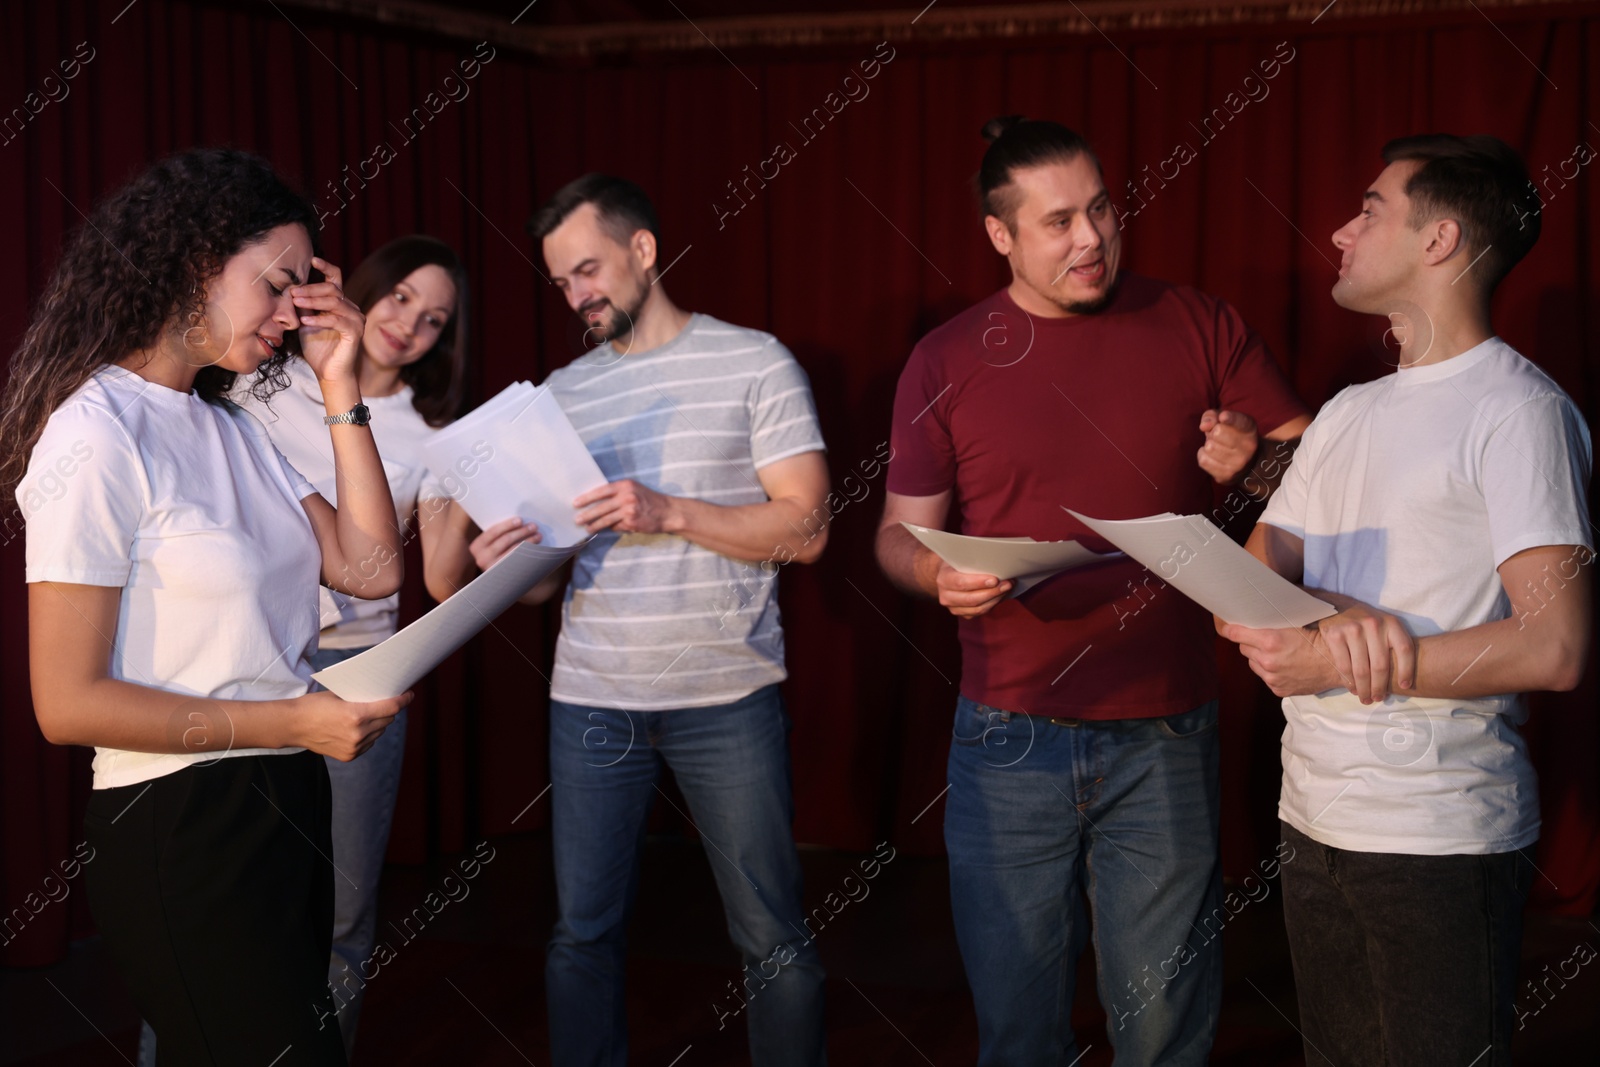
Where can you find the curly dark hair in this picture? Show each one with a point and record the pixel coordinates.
(139, 267)
(438, 379)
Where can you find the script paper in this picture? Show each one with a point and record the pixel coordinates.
(1191, 554)
(395, 665)
(1026, 561)
(516, 455)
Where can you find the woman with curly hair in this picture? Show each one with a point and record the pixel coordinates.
(172, 558)
(413, 292)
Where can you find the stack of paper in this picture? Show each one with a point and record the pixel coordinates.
(1022, 559)
(516, 456)
(1192, 555)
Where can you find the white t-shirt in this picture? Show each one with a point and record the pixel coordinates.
(190, 510)
(1409, 491)
(293, 417)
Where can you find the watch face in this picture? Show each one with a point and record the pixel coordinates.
(359, 415)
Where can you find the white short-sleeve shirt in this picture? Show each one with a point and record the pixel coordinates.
(189, 509)
(1409, 492)
(293, 418)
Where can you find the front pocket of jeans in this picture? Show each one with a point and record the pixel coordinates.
(974, 723)
(1191, 723)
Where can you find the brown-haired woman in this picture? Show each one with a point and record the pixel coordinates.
(172, 556)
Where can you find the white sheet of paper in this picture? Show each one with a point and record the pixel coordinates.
(1022, 559)
(517, 455)
(395, 665)
(1190, 553)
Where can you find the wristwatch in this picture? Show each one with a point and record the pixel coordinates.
(356, 416)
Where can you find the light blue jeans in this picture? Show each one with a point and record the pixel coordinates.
(364, 792)
(1041, 811)
(732, 764)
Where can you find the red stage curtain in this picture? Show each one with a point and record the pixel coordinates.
(856, 246)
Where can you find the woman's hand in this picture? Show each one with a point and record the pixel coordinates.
(502, 537)
(330, 325)
(343, 729)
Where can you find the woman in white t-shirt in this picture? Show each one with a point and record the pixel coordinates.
(413, 292)
(173, 556)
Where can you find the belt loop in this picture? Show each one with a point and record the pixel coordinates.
(1005, 716)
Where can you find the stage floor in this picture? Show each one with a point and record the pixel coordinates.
(468, 987)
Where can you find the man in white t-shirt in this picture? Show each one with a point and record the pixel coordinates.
(1442, 509)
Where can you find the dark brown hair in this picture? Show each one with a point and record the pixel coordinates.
(438, 379)
(1481, 183)
(137, 267)
(624, 208)
(1017, 143)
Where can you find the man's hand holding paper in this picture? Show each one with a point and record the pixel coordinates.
(628, 507)
(974, 574)
(517, 457)
(1362, 649)
(969, 595)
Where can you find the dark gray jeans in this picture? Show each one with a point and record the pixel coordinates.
(1402, 960)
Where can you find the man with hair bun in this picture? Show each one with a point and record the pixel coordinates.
(1451, 497)
(1084, 752)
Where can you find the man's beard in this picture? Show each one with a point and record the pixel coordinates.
(1095, 306)
(614, 321)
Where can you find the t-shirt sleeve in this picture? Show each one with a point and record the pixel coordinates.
(1286, 509)
(297, 481)
(1536, 468)
(1248, 378)
(783, 417)
(924, 461)
(83, 499)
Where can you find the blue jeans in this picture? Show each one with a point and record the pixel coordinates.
(732, 764)
(364, 792)
(1125, 812)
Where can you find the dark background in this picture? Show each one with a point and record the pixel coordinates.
(866, 240)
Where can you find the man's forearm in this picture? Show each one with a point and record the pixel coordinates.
(909, 564)
(779, 531)
(1543, 645)
(1494, 659)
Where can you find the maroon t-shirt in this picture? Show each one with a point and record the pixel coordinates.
(1023, 416)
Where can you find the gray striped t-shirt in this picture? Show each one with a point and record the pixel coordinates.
(653, 622)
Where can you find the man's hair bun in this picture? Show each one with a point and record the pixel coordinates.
(994, 128)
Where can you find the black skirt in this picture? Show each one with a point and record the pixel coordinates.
(213, 887)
